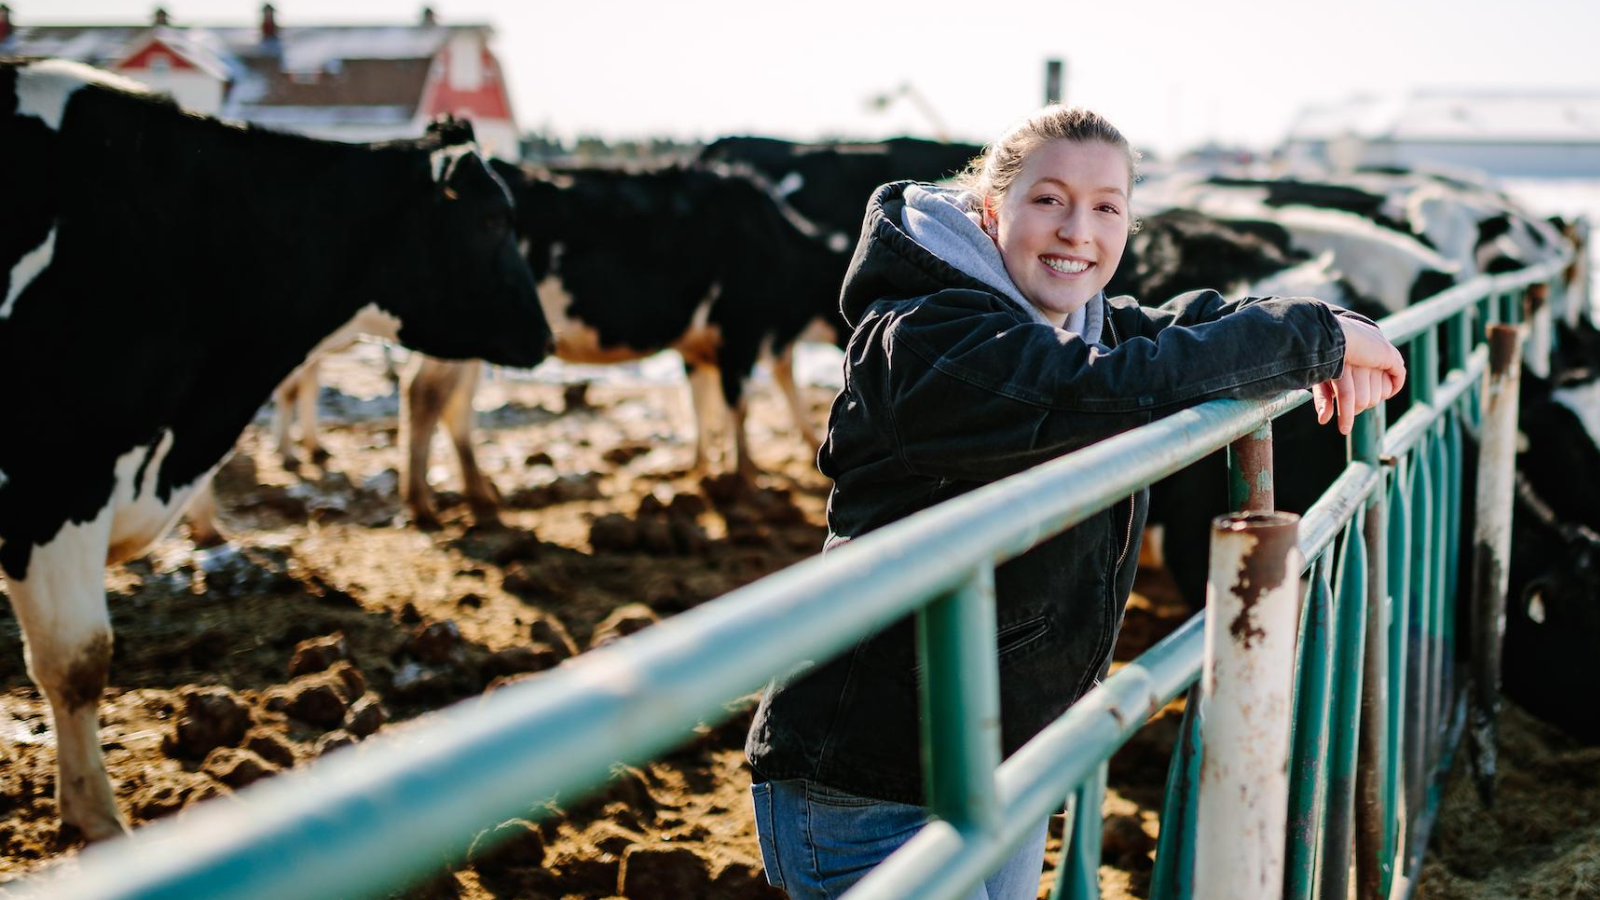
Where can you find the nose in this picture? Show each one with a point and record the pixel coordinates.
(1074, 226)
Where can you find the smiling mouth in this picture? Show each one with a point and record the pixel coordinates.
(1066, 266)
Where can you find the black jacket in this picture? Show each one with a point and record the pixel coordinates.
(949, 387)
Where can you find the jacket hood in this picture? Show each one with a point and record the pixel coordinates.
(918, 239)
(889, 263)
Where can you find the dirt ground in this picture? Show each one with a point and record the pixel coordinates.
(329, 619)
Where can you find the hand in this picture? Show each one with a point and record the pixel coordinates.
(1373, 372)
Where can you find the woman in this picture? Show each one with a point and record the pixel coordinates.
(983, 344)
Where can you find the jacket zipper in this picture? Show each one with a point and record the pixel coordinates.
(1127, 539)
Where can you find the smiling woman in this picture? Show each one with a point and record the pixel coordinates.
(983, 344)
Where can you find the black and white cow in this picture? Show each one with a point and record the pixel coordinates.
(160, 273)
(830, 183)
(698, 259)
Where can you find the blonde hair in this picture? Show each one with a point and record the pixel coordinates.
(991, 174)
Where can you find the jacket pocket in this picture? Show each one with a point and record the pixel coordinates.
(1019, 636)
(1011, 640)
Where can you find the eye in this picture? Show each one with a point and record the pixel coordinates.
(1111, 208)
(1047, 200)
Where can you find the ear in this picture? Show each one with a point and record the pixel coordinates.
(991, 222)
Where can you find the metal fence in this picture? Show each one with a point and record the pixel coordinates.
(1376, 705)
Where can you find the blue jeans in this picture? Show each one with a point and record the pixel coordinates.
(816, 842)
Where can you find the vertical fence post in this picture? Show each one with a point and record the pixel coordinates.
(1250, 472)
(1374, 855)
(1309, 733)
(1398, 827)
(1252, 600)
(960, 696)
(1541, 329)
(1491, 545)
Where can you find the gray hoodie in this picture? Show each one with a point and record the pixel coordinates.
(939, 219)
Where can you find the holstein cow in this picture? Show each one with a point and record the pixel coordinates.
(161, 272)
(826, 183)
(830, 183)
(699, 260)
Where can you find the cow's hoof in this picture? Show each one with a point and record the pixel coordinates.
(205, 539)
(487, 517)
(72, 834)
(425, 520)
(320, 455)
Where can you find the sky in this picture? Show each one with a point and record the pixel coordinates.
(1170, 74)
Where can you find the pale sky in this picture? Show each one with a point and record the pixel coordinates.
(1169, 73)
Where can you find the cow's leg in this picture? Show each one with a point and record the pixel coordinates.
(308, 389)
(284, 398)
(783, 374)
(459, 420)
(202, 517)
(61, 605)
(746, 466)
(424, 390)
(703, 397)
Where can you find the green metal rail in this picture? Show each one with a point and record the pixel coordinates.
(370, 820)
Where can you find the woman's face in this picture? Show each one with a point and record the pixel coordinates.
(1062, 225)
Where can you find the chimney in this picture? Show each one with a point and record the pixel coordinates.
(429, 20)
(269, 23)
(161, 16)
(5, 23)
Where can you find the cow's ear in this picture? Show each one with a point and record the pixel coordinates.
(450, 131)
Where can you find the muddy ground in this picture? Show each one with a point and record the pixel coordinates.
(329, 619)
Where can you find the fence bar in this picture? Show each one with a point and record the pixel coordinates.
(1491, 543)
(960, 696)
(1250, 472)
(1541, 329)
(1373, 854)
(1397, 825)
(1078, 875)
(1309, 759)
(1349, 624)
(1252, 600)
(1419, 647)
(1173, 877)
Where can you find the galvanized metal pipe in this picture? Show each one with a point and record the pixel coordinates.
(1250, 483)
(1373, 856)
(1349, 641)
(1397, 826)
(1308, 775)
(1419, 644)
(1251, 601)
(1491, 543)
(960, 697)
(1541, 329)
(1078, 875)
(1173, 876)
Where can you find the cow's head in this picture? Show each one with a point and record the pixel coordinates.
(458, 285)
(1552, 616)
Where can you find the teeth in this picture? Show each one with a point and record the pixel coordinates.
(1066, 266)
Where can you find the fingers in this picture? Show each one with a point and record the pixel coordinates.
(1322, 397)
(1345, 388)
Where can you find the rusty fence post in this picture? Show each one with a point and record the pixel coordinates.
(1537, 313)
(1491, 548)
(1252, 601)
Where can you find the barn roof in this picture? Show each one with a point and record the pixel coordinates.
(367, 72)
